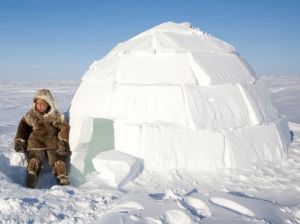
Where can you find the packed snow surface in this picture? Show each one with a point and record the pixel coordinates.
(266, 192)
(178, 98)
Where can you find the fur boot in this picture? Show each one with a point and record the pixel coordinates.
(61, 173)
(32, 173)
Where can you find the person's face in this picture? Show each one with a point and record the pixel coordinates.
(41, 105)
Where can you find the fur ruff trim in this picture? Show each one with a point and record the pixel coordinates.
(33, 118)
(44, 94)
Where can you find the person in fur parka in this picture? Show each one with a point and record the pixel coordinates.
(43, 133)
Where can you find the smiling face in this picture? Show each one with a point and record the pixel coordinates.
(41, 105)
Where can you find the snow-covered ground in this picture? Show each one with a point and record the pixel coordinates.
(263, 193)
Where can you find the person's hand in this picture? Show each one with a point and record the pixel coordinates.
(63, 149)
(20, 146)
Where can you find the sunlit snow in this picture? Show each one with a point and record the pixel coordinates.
(267, 192)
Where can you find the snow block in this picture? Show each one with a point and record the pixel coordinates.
(92, 99)
(155, 69)
(101, 70)
(143, 68)
(284, 132)
(81, 130)
(142, 44)
(140, 104)
(116, 168)
(259, 103)
(127, 138)
(221, 68)
(252, 144)
(77, 167)
(216, 107)
(165, 147)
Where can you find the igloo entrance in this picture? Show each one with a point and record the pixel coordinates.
(96, 135)
(101, 140)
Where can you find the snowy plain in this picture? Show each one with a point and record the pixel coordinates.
(262, 193)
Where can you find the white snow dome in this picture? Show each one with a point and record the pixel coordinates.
(178, 98)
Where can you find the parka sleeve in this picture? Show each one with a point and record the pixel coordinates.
(23, 131)
(64, 129)
(63, 134)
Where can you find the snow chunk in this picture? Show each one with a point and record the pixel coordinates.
(197, 206)
(177, 217)
(117, 168)
(127, 207)
(231, 205)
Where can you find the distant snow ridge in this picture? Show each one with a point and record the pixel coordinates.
(179, 99)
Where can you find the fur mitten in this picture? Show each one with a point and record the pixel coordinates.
(63, 149)
(20, 146)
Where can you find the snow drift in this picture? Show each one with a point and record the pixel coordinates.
(177, 98)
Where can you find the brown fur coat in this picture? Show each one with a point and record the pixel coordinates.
(43, 131)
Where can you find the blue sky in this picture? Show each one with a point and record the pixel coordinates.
(59, 39)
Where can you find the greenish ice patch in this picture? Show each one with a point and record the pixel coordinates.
(101, 140)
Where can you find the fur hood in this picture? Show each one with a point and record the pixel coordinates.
(44, 94)
(33, 117)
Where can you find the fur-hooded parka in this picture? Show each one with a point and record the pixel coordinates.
(43, 131)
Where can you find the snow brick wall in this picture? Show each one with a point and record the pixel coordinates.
(177, 98)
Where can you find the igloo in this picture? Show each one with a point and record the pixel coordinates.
(178, 98)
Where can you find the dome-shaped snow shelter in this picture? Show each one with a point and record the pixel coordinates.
(179, 99)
